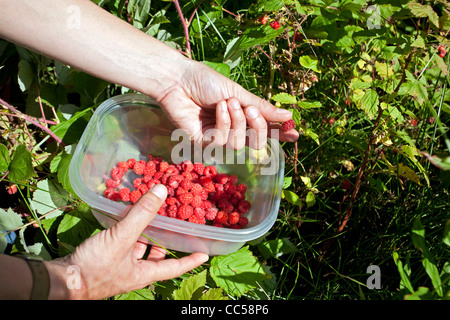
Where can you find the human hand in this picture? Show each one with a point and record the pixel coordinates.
(204, 99)
(110, 262)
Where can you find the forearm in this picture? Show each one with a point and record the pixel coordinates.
(83, 35)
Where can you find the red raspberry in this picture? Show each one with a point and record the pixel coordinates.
(175, 180)
(117, 173)
(199, 168)
(232, 178)
(187, 166)
(221, 217)
(199, 212)
(210, 171)
(197, 219)
(186, 198)
(135, 195)
(180, 191)
(244, 206)
(131, 163)
(150, 169)
(233, 217)
(143, 188)
(172, 211)
(230, 188)
(110, 183)
(208, 188)
(124, 194)
(206, 204)
(111, 194)
(288, 125)
(172, 201)
(139, 167)
(221, 178)
(275, 25)
(123, 165)
(346, 184)
(217, 224)
(163, 166)
(196, 188)
(152, 183)
(204, 180)
(137, 182)
(211, 213)
(186, 184)
(185, 212)
(197, 201)
(203, 194)
(413, 122)
(441, 51)
(241, 188)
(243, 221)
(263, 19)
(237, 196)
(162, 211)
(331, 121)
(158, 175)
(11, 189)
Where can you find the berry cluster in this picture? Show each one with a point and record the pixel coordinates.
(196, 193)
(441, 51)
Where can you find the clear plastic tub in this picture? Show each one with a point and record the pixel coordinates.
(133, 126)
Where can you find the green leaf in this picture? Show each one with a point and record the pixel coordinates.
(25, 75)
(291, 197)
(214, 294)
(287, 181)
(75, 227)
(310, 199)
(369, 103)
(418, 238)
(9, 220)
(237, 272)
(405, 282)
(309, 104)
(49, 196)
(222, 68)
(141, 294)
(71, 130)
(21, 167)
(4, 158)
(310, 62)
(284, 98)
(191, 288)
(423, 11)
(446, 237)
(276, 248)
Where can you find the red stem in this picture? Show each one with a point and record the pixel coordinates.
(185, 27)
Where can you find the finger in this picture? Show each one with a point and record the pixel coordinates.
(276, 132)
(258, 128)
(223, 124)
(139, 250)
(157, 253)
(236, 138)
(268, 110)
(173, 268)
(140, 215)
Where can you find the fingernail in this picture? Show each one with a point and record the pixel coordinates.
(235, 104)
(223, 106)
(160, 191)
(252, 113)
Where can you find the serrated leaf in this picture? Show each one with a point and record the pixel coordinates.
(9, 220)
(384, 70)
(63, 172)
(284, 98)
(4, 158)
(20, 167)
(141, 294)
(71, 130)
(222, 68)
(214, 294)
(237, 272)
(422, 11)
(191, 288)
(369, 103)
(49, 196)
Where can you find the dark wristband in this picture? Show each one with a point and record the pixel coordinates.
(41, 280)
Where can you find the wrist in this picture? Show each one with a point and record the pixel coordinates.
(66, 282)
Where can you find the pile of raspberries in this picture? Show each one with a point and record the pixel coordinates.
(196, 193)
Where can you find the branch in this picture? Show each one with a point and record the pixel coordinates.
(185, 27)
(29, 119)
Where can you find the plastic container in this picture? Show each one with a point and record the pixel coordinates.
(133, 126)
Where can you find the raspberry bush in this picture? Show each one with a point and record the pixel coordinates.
(366, 184)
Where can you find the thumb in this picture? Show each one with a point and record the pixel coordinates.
(141, 214)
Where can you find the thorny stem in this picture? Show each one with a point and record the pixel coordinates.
(185, 27)
(37, 124)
